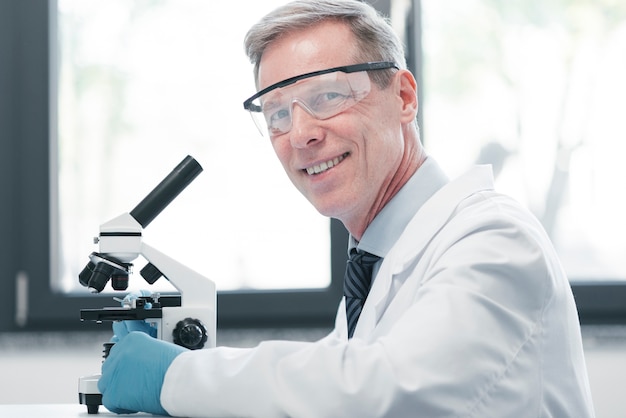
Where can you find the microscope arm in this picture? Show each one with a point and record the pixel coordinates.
(198, 295)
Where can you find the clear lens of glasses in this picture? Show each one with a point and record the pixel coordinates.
(322, 96)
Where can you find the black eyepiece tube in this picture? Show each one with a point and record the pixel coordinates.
(166, 191)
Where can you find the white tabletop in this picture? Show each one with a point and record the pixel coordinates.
(57, 411)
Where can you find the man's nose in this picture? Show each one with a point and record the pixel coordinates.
(305, 129)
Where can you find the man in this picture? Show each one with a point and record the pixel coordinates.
(469, 311)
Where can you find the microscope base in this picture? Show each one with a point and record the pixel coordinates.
(88, 393)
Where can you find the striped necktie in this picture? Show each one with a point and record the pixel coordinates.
(356, 284)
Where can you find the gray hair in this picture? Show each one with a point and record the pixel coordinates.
(375, 37)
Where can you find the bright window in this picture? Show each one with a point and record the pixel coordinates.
(537, 89)
(143, 84)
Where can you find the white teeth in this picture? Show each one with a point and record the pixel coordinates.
(316, 169)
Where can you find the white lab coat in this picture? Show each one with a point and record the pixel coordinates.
(470, 315)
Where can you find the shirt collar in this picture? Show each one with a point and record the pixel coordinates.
(386, 228)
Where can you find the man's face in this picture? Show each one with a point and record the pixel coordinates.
(343, 165)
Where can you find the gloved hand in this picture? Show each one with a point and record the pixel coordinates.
(123, 328)
(133, 374)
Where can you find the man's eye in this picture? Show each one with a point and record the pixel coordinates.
(329, 98)
(279, 114)
(332, 95)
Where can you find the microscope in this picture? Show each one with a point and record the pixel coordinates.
(187, 319)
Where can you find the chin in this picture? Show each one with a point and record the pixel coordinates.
(329, 209)
(333, 204)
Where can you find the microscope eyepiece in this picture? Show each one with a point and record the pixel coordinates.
(166, 191)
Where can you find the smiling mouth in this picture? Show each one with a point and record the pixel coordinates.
(317, 169)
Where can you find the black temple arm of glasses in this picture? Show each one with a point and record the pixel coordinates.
(355, 68)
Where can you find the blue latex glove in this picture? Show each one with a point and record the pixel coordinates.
(123, 328)
(133, 374)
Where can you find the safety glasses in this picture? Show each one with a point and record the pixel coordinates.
(323, 94)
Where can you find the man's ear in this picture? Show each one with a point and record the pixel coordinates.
(408, 94)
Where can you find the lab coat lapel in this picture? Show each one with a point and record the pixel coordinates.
(431, 217)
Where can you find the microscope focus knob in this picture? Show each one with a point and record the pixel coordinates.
(190, 333)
